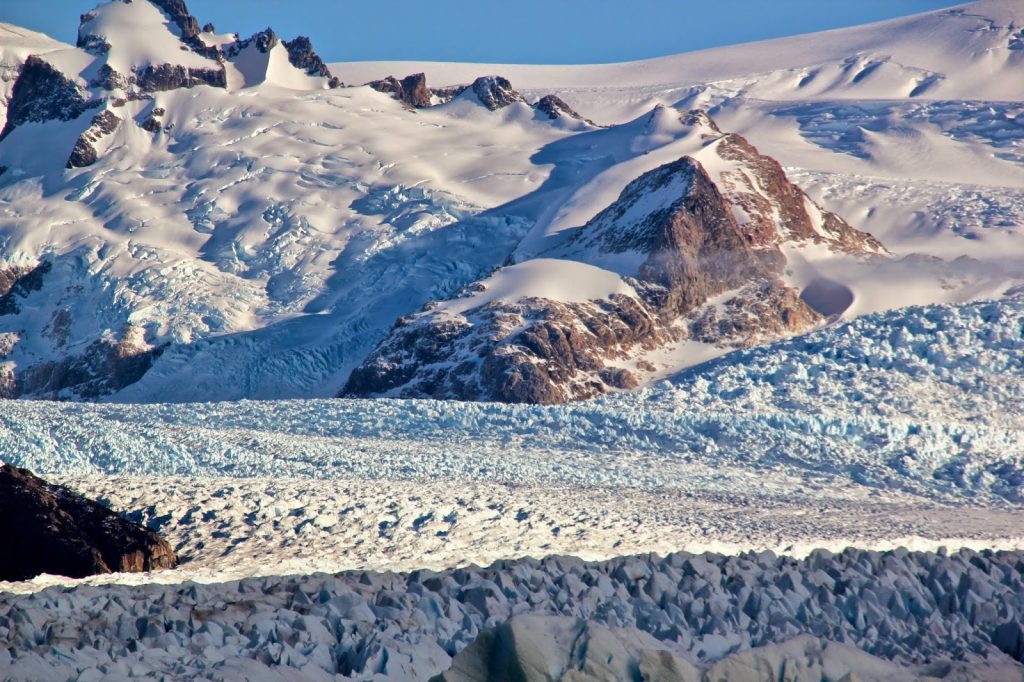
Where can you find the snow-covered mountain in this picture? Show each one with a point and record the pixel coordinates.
(691, 254)
(187, 214)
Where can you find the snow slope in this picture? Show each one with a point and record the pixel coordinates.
(259, 240)
(969, 52)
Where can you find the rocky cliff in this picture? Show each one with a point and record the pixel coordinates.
(49, 529)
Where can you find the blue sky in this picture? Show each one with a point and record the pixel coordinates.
(520, 31)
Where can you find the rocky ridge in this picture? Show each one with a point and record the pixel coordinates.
(555, 108)
(85, 154)
(411, 90)
(690, 238)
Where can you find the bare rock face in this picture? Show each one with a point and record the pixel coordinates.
(705, 263)
(17, 282)
(105, 366)
(302, 56)
(179, 14)
(263, 40)
(554, 107)
(154, 122)
(42, 93)
(173, 76)
(532, 351)
(84, 153)
(49, 529)
(794, 220)
(411, 90)
(495, 92)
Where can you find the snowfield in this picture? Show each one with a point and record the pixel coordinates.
(333, 212)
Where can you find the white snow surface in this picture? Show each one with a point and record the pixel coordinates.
(140, 34)
(273, 233)
(553, 279)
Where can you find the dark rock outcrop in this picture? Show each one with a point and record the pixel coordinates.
(17, 282)
(495, 92)
(411, 90)
(161, 77)
(777, 208)
(448, 93)
(554, 107)
(104, 367)
(302, 56)
(42, 93)
(179, 14)
(187, 26)
(264, 41)
(154, 122)
(50, 529)
(84, 153)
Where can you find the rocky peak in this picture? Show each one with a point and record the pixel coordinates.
(302, 56)
(42, 93)
(181, 17)
(698, 256)
(684, 234)
(49, 529)
(264, 41)
(698, 118)
(495, 92)
(447, 93)
(411, 90)
(176, 10)
(555, 108)
(774, 209)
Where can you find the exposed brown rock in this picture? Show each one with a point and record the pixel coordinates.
(17, 282)
(411, 90)
(42, 93)
(104, 367)
(154, 122)
(84, 153)
(49, 529)
(554, 107)
(173, 76)
(495, 92)
(448, 93)
(793, 220)
(180, 15)
(302, 56)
